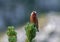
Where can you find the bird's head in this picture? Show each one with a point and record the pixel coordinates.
(33, 13)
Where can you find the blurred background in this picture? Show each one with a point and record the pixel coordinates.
(17, 12)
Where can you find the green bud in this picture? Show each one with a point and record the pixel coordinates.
(30, 31)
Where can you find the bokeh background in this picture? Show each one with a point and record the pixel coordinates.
(17, 12)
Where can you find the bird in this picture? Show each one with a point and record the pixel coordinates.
(34, 19)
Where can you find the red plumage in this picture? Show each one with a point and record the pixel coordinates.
(33, 19)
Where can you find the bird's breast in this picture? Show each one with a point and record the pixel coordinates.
(33, 19)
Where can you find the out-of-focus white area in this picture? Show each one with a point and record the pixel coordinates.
(50, 32)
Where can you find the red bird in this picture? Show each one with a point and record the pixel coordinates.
(33, 19)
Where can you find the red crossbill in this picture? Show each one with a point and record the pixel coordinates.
(33, 19)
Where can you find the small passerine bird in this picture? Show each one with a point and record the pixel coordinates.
(33, 19)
